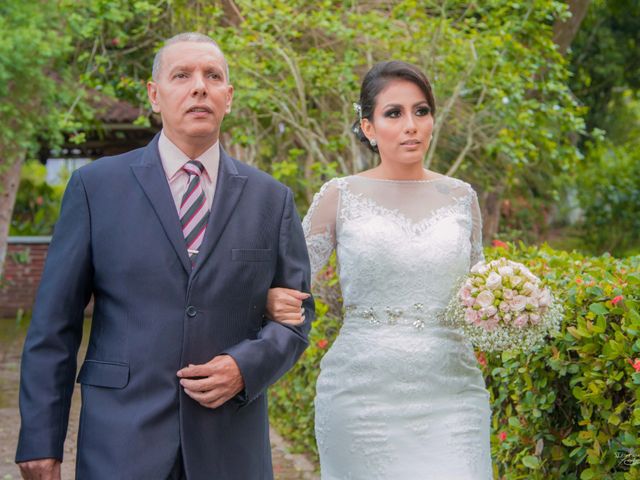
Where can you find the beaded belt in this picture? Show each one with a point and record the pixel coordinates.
(415, 315)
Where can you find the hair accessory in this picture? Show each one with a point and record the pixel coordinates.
(358, 109)
(373, 142)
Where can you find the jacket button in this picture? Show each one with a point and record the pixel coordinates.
(191, 311)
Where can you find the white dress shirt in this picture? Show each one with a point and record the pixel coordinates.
(173, 159)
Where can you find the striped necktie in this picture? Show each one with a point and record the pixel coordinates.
(193, 209)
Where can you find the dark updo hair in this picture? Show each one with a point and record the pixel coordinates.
(377, 79)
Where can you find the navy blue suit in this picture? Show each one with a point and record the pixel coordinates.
(119, 238)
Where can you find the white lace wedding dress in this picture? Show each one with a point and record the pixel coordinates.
(400, 395)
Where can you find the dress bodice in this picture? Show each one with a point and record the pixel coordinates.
(398, 243)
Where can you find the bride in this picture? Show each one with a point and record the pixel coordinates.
(399, 395)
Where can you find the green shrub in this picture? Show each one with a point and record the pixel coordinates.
(608, 186)
(37, 203)
(568, 410)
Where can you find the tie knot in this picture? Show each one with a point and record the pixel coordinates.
(193, 167)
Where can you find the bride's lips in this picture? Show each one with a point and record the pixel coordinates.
(410, 143)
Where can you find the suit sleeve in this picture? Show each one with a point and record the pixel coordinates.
(263, 360)
(48, 365)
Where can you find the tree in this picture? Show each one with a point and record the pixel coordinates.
(33, 83)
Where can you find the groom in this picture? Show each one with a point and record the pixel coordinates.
(178, 243)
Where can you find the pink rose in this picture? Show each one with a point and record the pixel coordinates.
(471, 316)
(490, 324)
(534, 318)
(544, 300)
(521, 320)
(518, 303)
(489, 311)
(504, 307)
(485, 298)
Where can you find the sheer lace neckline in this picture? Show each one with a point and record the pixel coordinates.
(390, 180)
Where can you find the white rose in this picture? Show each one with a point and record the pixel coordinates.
(528, 288)
(508, 294)
(505, 271)
(493, 280)
(476, 268)
(485, 298)
(515, 280)
(504, 307)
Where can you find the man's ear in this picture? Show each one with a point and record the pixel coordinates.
(152, 92)
(229, 99)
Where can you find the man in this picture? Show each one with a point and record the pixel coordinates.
(178, 243)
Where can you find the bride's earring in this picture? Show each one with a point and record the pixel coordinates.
(373, 142)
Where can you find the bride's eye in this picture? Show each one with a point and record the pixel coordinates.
(423, 111)
(395, 113)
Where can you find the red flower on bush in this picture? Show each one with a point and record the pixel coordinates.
(635, 364)
(322, 343)
(617, 299)
(482, 358)
(579, 281)
(502, 436)
(500, 244)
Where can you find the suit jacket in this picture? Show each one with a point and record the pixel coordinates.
(119, 238)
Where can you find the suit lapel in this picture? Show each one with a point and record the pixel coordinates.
(228, 191)
(150, 174)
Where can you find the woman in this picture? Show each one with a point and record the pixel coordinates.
(400, 395)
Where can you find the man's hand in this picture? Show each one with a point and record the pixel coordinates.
(42, 469)
(214, 382)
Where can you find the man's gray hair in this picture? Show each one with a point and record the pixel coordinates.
(185, 37)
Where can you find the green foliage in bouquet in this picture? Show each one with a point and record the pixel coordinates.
(568, 410)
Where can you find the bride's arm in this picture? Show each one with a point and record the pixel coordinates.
(319, 225)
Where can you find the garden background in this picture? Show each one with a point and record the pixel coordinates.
(538, 108)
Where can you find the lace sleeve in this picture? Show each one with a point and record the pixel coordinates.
(319, 226)
(477, 254)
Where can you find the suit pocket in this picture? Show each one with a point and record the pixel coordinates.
(104, 374)
(251, 255)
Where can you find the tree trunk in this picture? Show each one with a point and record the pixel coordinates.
(491, 214)
(565, 32)
(10, 180)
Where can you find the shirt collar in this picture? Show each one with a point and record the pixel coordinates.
(173, 159)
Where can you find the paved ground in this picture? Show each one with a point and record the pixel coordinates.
(286, 466)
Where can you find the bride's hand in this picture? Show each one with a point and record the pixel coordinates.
(284, 305)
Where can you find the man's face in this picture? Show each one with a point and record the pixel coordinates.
(191, 93)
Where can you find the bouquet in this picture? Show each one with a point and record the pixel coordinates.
(501, 305)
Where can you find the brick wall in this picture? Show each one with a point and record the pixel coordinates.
(21, 277)
(22, 271)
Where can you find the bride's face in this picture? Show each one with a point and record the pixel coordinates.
(402, 123)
